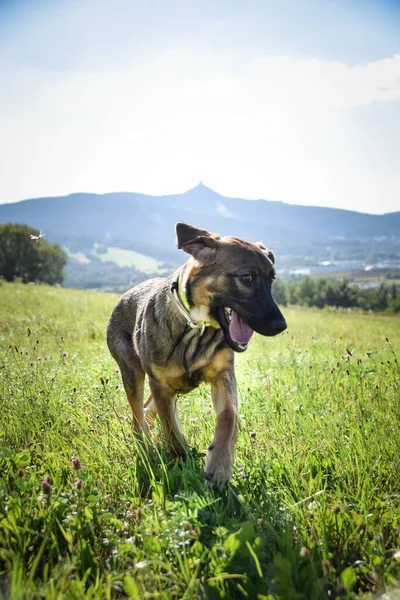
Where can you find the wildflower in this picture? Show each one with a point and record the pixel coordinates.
(65, 354)
(253, 434)
(28, 331)
(341, 589)
(304, 552)
(196, 531)
(76, 463)
(142, 564)
(326, 566)
(79, 484)
(46, 487)
(336, 509)
(261, 523)
(101, 379)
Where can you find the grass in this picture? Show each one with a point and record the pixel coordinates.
(86, 511)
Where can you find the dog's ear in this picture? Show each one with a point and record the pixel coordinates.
(267, 251)
(200, 243)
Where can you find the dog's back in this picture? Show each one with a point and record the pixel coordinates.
(130, 312)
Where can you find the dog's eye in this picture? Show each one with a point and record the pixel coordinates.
(247, 279)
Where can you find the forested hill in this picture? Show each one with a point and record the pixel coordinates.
(145, 224)
(148, 221)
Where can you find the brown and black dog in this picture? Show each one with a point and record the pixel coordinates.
(185, 329)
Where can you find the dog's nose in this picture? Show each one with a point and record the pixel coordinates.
(277, 326)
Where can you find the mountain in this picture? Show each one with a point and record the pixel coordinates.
(93, 227)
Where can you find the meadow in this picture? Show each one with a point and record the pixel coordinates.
(87, 511)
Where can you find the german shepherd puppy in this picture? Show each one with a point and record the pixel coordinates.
(186, 328)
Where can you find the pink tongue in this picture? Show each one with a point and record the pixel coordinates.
(239, 331)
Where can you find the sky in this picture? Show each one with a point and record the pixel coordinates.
(291, 100)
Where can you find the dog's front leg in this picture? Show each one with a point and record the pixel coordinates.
(219, 461)
(165, 404)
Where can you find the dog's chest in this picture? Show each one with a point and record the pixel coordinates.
(182, 380)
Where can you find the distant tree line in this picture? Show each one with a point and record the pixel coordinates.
(29, 260)
(106, 277)
(342, 293)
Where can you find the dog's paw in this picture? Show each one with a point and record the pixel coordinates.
(177, 448)
(218, 470)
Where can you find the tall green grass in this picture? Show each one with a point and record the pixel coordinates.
(86, 510)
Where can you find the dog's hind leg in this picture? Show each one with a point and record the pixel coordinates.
(165, 404)
(120, 346)
(133, 380)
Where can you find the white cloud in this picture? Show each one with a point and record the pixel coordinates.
(327, 85)
(280, 128)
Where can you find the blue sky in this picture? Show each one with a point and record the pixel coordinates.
(293, 100)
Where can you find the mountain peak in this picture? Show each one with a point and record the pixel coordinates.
(202, 189)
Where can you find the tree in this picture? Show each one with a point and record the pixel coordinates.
(279, 292)
(20, 257)
(306, 291)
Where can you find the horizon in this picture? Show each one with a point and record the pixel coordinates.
(303, 110)
(199, 185)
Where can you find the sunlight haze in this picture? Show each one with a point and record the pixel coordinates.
(297, 101)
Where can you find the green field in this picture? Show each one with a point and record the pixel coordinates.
(129, 258)
(313, 510)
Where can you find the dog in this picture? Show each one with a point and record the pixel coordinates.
(185, 329)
